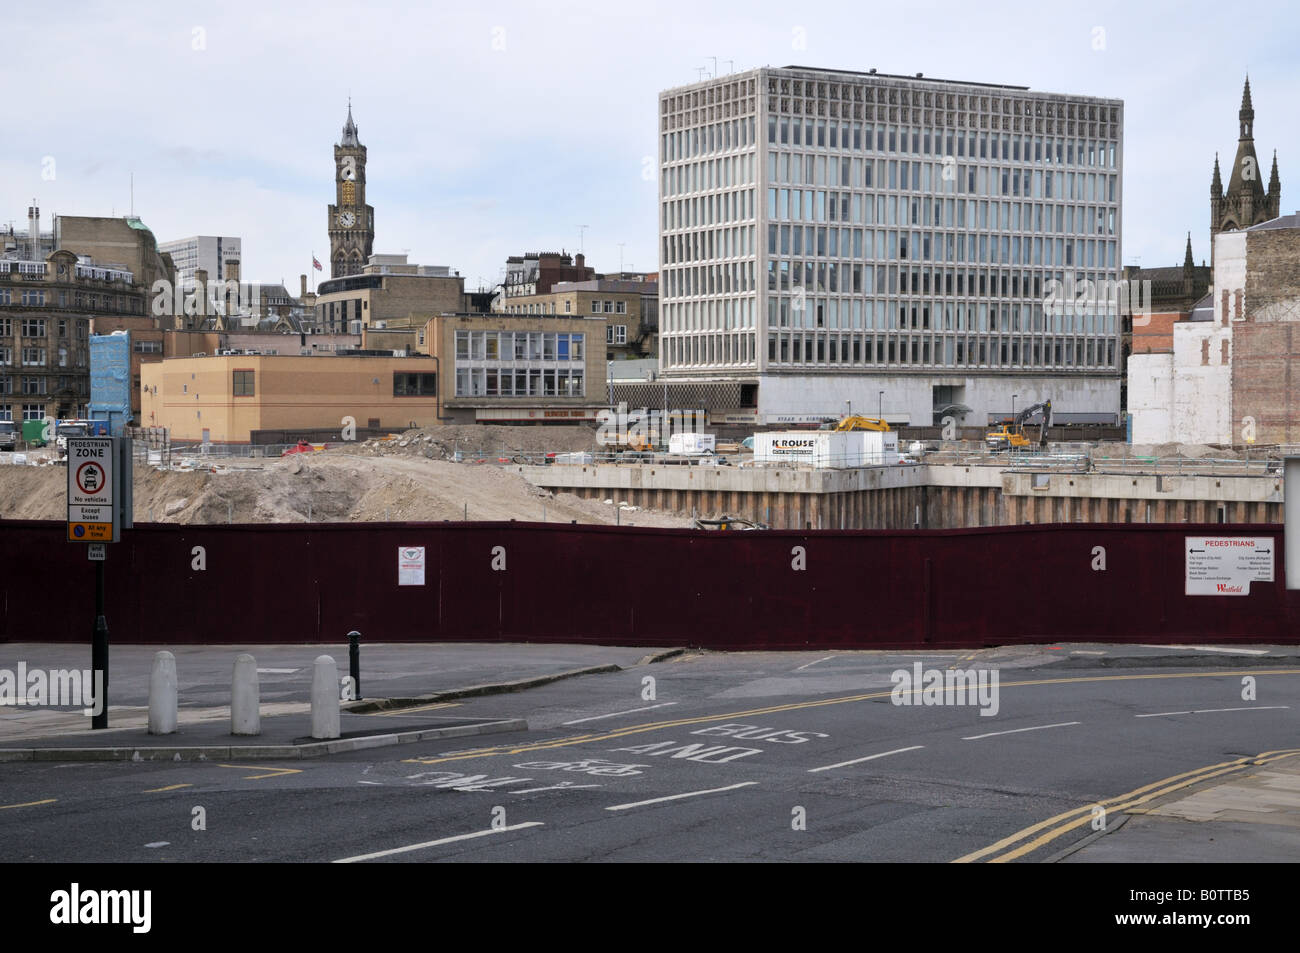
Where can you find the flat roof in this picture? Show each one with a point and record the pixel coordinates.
(914, 76)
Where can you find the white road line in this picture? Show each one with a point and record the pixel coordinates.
(436, 843)
(612, 714)
(675, 797)
(1206, 711)
(1209, 711)
(814, 662)
(276, 671)
(991, 734)
(1086, 652)
(870, 757)
(1210, 648)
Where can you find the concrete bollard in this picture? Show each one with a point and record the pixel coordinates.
(162, 694)
(325, 698)
(245, 705)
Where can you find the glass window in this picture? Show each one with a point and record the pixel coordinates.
(243, 384)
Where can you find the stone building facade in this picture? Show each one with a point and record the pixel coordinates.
(45, 312)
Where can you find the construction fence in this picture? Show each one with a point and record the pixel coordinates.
(173, 584)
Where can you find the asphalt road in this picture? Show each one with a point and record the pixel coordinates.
(756, 756)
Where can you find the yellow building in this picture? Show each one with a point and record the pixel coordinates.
(226, 399)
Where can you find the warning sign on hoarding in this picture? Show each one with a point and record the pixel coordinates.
(1227, 565)
(410, 565)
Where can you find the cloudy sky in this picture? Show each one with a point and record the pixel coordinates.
(496, 128)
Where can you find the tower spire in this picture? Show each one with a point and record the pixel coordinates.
(1246, 115)
(350, 129)
(1188, 262)
(1216, 186)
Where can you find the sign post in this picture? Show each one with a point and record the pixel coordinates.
(99, 499)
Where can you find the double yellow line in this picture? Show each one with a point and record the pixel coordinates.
(1055, 827)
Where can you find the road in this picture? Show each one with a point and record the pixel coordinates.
(708, 757)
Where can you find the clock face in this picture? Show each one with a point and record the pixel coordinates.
(347, 219)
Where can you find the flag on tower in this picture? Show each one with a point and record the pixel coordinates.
(315, 264)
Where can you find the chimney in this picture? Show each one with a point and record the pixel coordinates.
(580, 260)
(232, 269)
(302, 286)
(34, 230)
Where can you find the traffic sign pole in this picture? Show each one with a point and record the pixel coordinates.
(99, 650)
(99, 497)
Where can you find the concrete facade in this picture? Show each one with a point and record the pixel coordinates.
(910, 400)
(203, 252)
(816, 221)
(518, 368)
(921, 497)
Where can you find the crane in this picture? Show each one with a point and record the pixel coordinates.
(1010, 435)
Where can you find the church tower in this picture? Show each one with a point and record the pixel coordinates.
(351, 221)
(1245, 203)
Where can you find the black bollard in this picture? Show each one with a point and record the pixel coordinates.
(354, 661)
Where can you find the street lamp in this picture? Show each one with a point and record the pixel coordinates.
(880, 406)
(1013, 406)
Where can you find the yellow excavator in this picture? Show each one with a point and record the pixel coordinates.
(1011, 435)
(857, 423)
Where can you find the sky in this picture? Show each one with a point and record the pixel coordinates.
(496, 128)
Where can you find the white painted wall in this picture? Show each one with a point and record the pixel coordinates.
(1151, 397)
(1229, 271)
(1200, 411)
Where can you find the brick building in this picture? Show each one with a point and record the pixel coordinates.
(536, 273)
(1265, 377)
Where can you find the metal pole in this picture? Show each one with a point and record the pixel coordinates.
(99, 650)
(354, 661)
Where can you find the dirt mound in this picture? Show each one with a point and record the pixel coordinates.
(330, 486)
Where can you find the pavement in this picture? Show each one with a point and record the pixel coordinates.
(1245, 808)
(418, 683)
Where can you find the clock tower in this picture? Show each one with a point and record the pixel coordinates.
(351, 221)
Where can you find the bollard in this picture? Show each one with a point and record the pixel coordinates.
(245, 706)
(324, 698)
(162, 694)
(354, 661)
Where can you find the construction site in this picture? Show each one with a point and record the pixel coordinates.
(855, 478)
